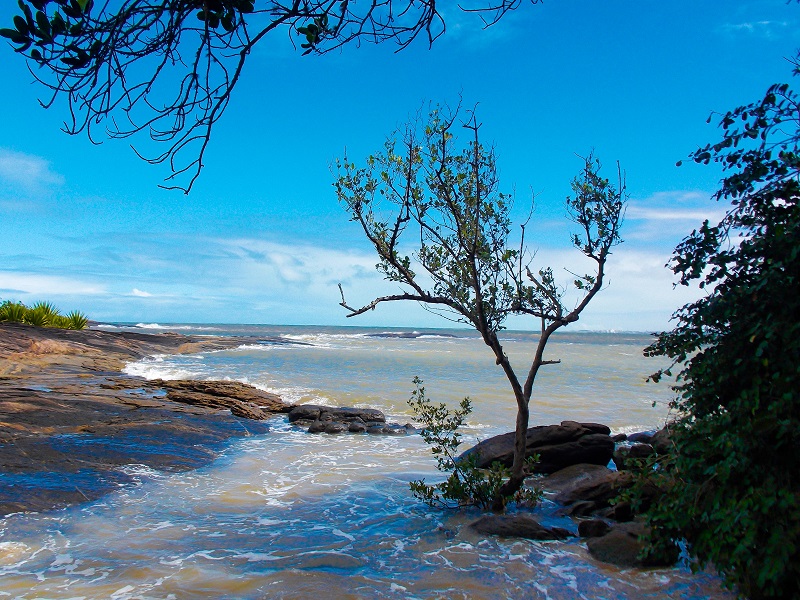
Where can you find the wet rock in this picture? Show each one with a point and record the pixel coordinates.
(593, 528)
(585, 489)
(241, 399)
(642, 437)
(326, 419)
(661, 442)
(620, 437)
(581, 508)
(622, 456)
(597, 428)
(558, 446)
(522, 526)
(314, 412)
(622, 546)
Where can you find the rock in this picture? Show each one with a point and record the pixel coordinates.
(582, 508)
(241, 399)
(314, 412)
(620, 437)
(522, 526)
(623, 455)
(643, 437)
(661, 442)
(568, 477)
(580, 484)
(593, 528)
(617, 547)
(335, 427)
(326, 419)
(558, 446)
(597, 428)
(622, 547)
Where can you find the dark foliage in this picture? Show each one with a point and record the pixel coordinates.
(732, 481)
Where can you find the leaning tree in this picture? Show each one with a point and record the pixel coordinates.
(167, 68)
(425, 191)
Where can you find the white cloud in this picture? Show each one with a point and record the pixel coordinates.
(140, 294)
(35, 284)
(665, 218)
(760, 28)
(27, 171)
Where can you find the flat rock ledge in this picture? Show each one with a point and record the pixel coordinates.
(326, 419)
(241, 399)
(518, 526)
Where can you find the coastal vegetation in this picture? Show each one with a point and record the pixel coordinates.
(444, 199)
(466, 484)
(121, 66)
(41, 314)
(729, 483)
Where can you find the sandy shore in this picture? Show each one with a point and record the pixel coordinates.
(69, 419)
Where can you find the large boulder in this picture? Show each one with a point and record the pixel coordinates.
(521, 526)
(558, 446)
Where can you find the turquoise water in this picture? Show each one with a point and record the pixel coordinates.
(292, 515)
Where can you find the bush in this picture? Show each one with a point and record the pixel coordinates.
(731, 486)
(466, 484)
(41, 314)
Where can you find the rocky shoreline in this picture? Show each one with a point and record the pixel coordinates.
(69, 418)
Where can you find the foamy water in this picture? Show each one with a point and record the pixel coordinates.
(292, 515)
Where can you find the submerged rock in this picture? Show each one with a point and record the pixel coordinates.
(623, 546)
(558, 446)
(522, 526)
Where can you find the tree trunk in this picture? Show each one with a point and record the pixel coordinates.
(517, 477)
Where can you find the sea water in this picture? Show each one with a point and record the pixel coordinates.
(288, 514)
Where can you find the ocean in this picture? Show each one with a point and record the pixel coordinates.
(288, 514)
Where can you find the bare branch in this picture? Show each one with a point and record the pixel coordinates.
(163, 71)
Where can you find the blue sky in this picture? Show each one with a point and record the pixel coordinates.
(262, 239)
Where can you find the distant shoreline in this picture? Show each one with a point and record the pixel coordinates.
(70, 420)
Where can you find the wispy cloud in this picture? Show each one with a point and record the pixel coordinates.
(757, 28)
(665, 217)
(140, 294)
(26, 171)
(19, 283)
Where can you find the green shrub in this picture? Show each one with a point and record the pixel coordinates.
(466, 484)
(12, 312)
(76, 320)
(41, 314)
(38, 316)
